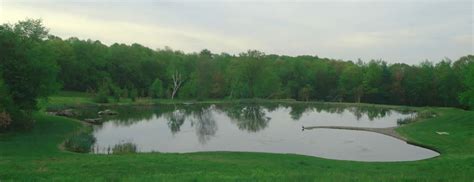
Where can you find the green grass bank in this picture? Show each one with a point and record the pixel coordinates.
(37, 155)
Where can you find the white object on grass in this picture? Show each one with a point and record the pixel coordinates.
(442, 133)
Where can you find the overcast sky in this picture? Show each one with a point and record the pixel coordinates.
(396, 31)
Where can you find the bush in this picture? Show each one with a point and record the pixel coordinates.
(106, 89)
(81, 142)
(101, 97)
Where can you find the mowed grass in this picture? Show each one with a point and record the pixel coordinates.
(36, 155)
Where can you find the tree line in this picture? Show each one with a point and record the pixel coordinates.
(35, 64)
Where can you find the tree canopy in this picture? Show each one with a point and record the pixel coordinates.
(34, 64)
(28, 68)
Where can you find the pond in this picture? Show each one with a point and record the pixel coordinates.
(271, 128)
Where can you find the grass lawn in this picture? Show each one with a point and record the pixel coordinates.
(36, 155)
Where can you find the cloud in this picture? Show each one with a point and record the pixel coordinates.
(111, 31)
(409, 31)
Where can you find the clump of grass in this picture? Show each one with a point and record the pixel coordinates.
(124, 148)
(81, 142)
(426, 114)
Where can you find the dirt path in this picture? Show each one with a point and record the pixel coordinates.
(385, 131)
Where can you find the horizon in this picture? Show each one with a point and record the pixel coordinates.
(235, 90)
(397, 32)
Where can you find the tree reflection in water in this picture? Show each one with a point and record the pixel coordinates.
(204, 123)
(175, 119)
(251, 118)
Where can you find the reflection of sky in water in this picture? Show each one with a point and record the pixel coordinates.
(344, 118)
(253, 128)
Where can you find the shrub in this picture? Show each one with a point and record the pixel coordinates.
(101, 97)
(106, 89)
(81, 142)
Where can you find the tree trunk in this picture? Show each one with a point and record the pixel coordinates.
(177, 81)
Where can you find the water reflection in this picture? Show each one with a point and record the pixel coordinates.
(247, 117)
(175, 119)
(298, 110)
(256, 127)
(205, 124)
(250, 118)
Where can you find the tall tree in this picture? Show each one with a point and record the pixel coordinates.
(447, 84)
(467, 97)
(27, 65)
(351, 83)
(373, 81)
(156, 89)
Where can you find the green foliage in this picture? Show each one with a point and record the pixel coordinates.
(351, 83)
(373, 80)
(106, 89)
(133, 94)
(156, 89)
(189, 90)
(31, 60)
(305, 93)
(81, 142)
(6, 102)
(167, 73)
(6, 106)
(467, 97)
(28, 68)
(115, 92)
(447, 83)
(102, 96)
(268, 85)
(253, 74)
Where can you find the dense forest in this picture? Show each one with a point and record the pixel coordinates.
(35, 64)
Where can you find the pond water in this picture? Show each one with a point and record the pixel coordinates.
(272, 128)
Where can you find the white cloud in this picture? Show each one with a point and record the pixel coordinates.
(408, 31)
(107, 31)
